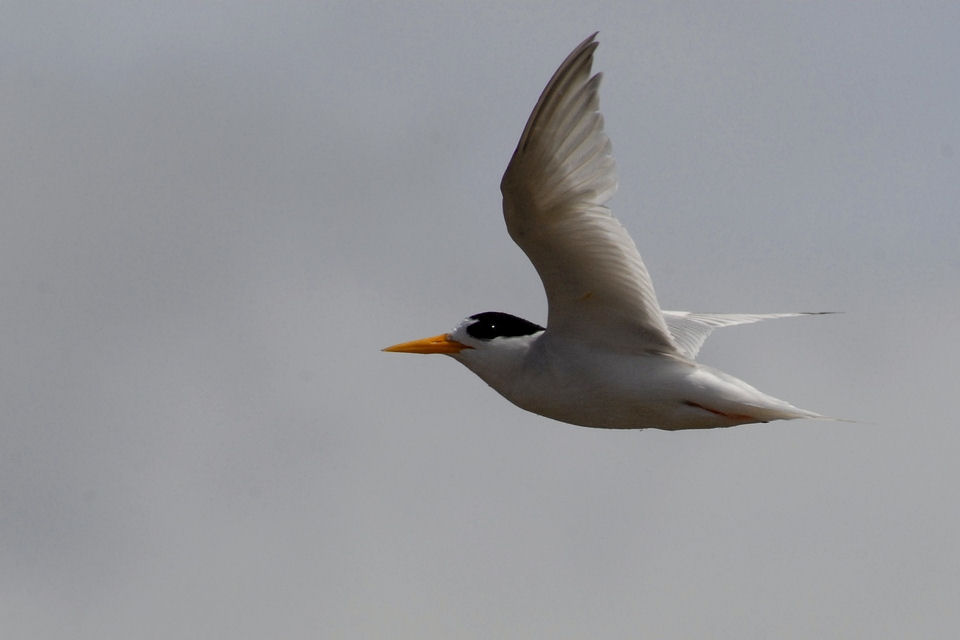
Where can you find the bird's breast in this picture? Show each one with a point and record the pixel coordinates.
(595, 388)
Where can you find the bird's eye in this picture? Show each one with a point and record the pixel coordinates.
(494, 324)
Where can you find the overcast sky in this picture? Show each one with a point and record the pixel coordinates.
(214, 215)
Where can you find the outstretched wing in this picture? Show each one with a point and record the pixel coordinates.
(554, 191)
(690, 330)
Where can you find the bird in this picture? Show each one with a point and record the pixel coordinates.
(609, 356)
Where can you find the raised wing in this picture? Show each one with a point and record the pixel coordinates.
(690, 330)
(554, 190)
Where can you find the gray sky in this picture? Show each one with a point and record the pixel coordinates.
(214, 216)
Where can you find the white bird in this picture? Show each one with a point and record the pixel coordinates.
(609, 356)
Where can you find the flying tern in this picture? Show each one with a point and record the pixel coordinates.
(609, 356)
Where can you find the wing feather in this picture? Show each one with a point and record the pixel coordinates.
(554, 191)
(690, 330)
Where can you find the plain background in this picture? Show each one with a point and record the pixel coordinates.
(215, 214)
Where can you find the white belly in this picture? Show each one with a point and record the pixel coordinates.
(626, 391)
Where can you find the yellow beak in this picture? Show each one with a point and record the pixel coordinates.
(436, 344)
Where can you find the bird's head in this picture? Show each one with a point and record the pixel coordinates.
(482, 340)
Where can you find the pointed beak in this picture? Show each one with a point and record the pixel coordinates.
(442, 343)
